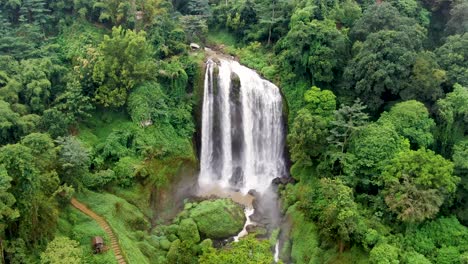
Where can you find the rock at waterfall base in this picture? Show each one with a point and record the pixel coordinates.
(219, 218)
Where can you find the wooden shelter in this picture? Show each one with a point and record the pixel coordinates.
(97, 244)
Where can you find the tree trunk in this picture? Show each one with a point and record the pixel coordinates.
(341, 246)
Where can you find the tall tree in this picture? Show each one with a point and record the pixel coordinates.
(124, 60)
(416, 183)
(8, 212)
(310, 127)
(314, 49)
(411, 120)
(451, 56)
(460, 152)
(381, 16)
(458, 22)
(373, 147)
(332, 205)
(380, 69)
(452, 113)
(348, 119)
(426, 79)
(74, 161)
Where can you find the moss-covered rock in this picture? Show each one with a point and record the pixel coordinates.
(205, 245)
(164, 244)
(188, 231)
(219, 218)
(173, 252)
(172, 237)
(188, 206)
(172, 229)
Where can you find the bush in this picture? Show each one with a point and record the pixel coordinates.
(384, 254)
(448, 255)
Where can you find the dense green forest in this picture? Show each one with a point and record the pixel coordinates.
(99, 100)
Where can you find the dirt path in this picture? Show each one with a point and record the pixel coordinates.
(102, 222)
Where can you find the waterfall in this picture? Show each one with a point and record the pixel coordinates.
(242, 128)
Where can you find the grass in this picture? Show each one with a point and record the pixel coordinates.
(221, 37)
(77, 226)
(126, 220)
(96, 128)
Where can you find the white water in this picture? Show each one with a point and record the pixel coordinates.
(248, 212)
(276, 257)
(242, 132)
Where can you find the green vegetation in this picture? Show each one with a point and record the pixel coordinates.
(219, 218)
(247, 250)
(98, 99)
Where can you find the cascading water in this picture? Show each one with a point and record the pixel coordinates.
(242, 129)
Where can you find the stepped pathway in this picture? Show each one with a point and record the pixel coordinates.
(102, 222)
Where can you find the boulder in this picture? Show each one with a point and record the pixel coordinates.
(188, 231)
(194, 46)
(217, 219)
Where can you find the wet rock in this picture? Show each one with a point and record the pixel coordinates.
(237, 176)
(282, 180)
(194, 46)
(254, 193)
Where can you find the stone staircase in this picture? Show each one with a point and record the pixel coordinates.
(102, 222)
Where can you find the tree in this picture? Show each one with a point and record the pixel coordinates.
(198, 8)
(43, 149)
(382, 16)
(119, 12)
(332, 205)
(458, 22)
(320, 102)
(314, 49)
(8, 121)
(33, 189)
(55, 122)
(460, 152)
(451, 56)
(8, 212)
(306, 137)
(411, 120)
(74, 103)
(384, 254)
(373, 147)
(195, 28)
(382, 65)
(348, 119)
(74, 161)
(426, 79)
(310, 126)
(35, 77)
(346, 13)
(416, 183)
(452, 113)
(123, 62)
(62, 250)
(273, 15)
(148, 103)
(413, 9)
